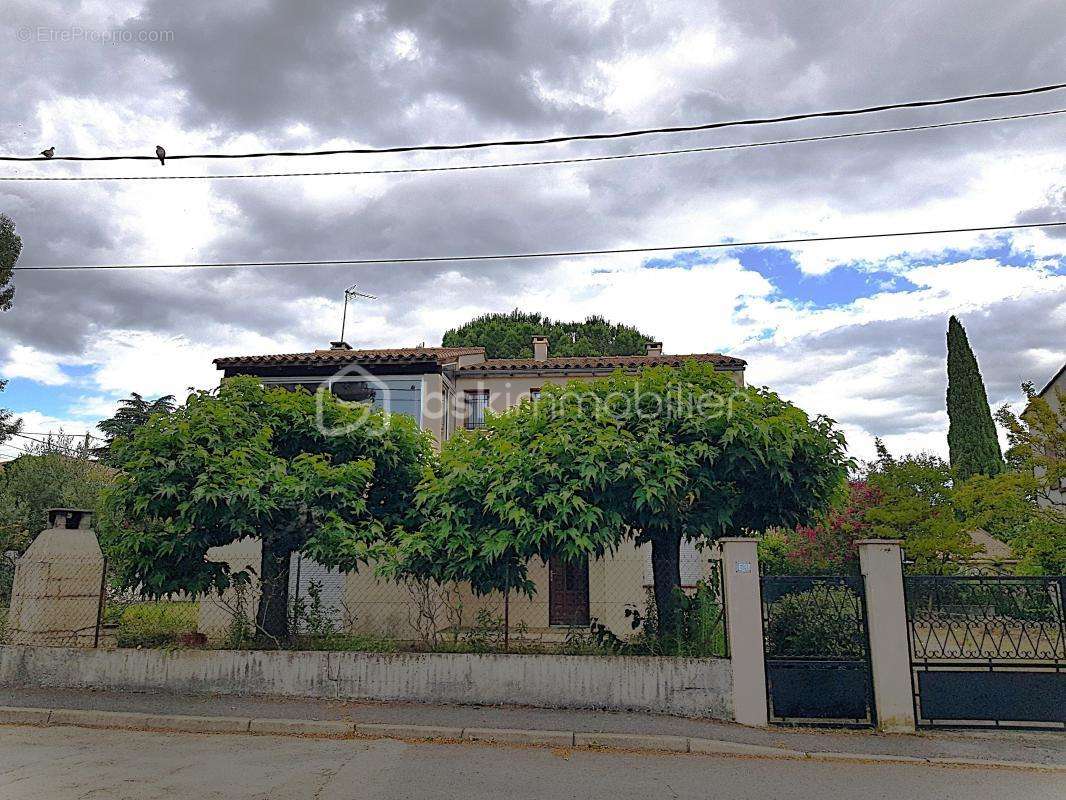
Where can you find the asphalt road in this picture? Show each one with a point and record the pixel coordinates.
(59, 763)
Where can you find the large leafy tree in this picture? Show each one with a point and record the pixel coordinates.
(9, 425)
(511, 335)
(247, 461)
(668, 455)
(10, 248)
(972, 443)
(133, 412)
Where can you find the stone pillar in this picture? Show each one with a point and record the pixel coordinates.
(886, 614)
(55, 597)
(743, 603)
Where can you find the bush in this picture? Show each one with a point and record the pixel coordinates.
(699, 632)
(819, 623)
(156, 624)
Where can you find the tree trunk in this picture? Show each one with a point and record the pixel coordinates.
(666, 572)
(272, 617)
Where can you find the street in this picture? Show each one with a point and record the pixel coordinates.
(57, 763)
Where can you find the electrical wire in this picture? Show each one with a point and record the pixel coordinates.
(707, 126)
(543, 162)
(538, 255)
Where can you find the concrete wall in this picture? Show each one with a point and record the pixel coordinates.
(692, 687)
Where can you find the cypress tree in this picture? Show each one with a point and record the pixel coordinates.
(972, 444)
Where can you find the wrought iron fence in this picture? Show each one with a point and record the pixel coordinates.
(817, 650)
(986, 617)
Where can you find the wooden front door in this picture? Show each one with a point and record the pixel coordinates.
(568, 592)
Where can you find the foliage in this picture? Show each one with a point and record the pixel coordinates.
(133, 412)
(827, 547)
(155, 624)
(666, 455)
(917, 504)
(8, 426)
(698, 630)
(351, 643)
(819, 623)
(510, 336)
(972, 441)
(55, 473)
(249, 461)
(10, 248)
(1006, 506)
(311, 616)
(1037, 441)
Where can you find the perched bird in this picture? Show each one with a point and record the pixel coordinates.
(161, 154)
(51, 151)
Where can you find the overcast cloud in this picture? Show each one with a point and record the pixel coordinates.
(852, 330)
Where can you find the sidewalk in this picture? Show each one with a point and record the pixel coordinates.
(1044, 748)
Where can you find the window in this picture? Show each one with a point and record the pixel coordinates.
(534, 394)
(476, 403)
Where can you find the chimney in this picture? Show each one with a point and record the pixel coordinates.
(540, 348)
(654, 348)
(340, 346)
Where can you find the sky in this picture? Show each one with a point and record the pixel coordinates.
(853, 330)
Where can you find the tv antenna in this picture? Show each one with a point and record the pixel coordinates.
(349, 293)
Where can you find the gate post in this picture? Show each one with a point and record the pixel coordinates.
(881, 562)
(743, 606)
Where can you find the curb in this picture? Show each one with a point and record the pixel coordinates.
(124, 720)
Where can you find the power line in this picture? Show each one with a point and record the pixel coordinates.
(17, 449)
(58, 433)
(545, 254)
(546, 162)
(707, 126)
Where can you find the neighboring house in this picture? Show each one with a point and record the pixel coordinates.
(1052, 392)
(993, 554)
(445, 388)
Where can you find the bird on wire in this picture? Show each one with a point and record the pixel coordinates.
(161, 154)
(51, 151)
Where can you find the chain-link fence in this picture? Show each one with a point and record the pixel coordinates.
(601, 605)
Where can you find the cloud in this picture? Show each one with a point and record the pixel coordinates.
(26, 362)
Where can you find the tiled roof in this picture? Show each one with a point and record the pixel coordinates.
(439, 355)
(600, 362)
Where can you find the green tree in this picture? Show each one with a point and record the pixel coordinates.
(972, 443)
(510, 336)
(10, 248)
(1037, 442)
(8, 426)
(133, 412)
(917, 505)
(248, 461)
(57, 473)
(668, 455)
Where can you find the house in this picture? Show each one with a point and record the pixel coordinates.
(445, 388)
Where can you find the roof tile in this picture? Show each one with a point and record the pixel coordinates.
(599, 362)
(439, 355)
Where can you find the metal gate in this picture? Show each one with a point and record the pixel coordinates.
(988, 651)
(817, 650)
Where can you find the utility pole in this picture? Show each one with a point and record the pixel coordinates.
(349, 293)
